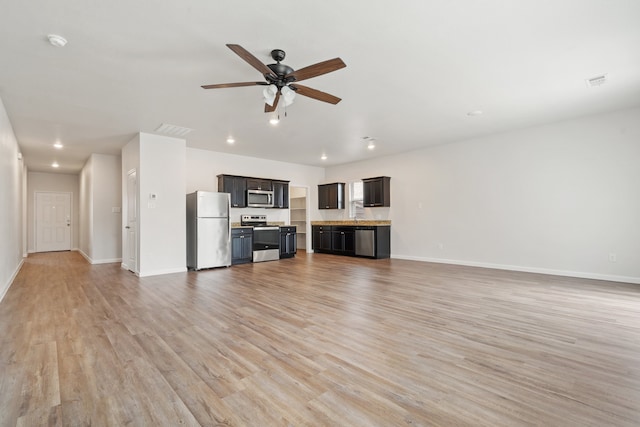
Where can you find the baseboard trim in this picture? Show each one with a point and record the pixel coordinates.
(160, 272)
(549, 271)
(98, 261)
(7, 285)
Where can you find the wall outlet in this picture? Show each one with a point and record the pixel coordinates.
(613, 257)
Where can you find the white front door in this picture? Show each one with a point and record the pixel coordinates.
(53, 221)
(130, 250)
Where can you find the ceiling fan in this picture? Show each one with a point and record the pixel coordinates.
(280, 79)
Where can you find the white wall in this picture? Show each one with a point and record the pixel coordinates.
(85, 202)
(11, 194)
(557, 199)
(56, 182)
(100, 192)
(163, 244)
(160, 165)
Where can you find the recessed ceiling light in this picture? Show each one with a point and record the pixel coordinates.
(230, 140)
(55, 165)
(56, 40)
(58, 145)
(474, 113)
(324, 157)
(371, 142)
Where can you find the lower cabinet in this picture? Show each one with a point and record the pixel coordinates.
(241, 245)
(288, 244)
(321, 238)
(374, 241)
(343, 240)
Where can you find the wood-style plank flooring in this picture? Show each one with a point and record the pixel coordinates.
(318, 340)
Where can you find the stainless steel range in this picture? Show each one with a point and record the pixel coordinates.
(266, 238)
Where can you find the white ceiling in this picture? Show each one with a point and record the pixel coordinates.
(415, 68)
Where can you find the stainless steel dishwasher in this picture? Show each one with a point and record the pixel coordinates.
(366, 241)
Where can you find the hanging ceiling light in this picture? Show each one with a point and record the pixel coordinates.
(269, 94)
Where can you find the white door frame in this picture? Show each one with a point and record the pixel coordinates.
(308, 236)
(35, 218)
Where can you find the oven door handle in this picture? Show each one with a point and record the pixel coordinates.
(266, 228)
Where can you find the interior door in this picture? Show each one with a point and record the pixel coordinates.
(130, 250)
(53, 222)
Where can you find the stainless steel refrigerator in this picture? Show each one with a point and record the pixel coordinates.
(208, 230)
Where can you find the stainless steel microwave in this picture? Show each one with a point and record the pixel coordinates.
(260, 198)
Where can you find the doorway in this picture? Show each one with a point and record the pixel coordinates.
(53, 221)
(298, 208)
(130, 241)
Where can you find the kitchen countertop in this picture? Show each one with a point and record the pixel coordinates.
(354, 223)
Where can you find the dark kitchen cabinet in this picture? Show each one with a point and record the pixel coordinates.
(376, 191)
(321, 238)
(259, 184)
(288, 244)
(343, 240)
(241, 245)
(374, 240)
(236, 186)
(331, 196)
(280, 194)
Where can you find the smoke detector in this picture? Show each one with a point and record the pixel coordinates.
(597, 80)
(56, 40)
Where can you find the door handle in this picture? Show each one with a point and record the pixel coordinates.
(127, 227)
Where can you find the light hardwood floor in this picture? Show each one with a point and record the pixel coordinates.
(316, 340)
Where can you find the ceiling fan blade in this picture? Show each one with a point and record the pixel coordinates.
(250, 59)
(270, 108)
(317, 69)
(315, 94)
(223, 85)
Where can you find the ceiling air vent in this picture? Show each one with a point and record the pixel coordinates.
(173, 130)
(597, 80)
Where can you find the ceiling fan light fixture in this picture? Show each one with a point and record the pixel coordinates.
(269, 93)
(288, 95)
(274, 120)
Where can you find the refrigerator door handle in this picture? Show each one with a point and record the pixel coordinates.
(229, 217)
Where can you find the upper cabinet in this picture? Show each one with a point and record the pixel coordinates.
(376, 191)
(236, 186)
(259, 184)
(331, 196)
(280, 194)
